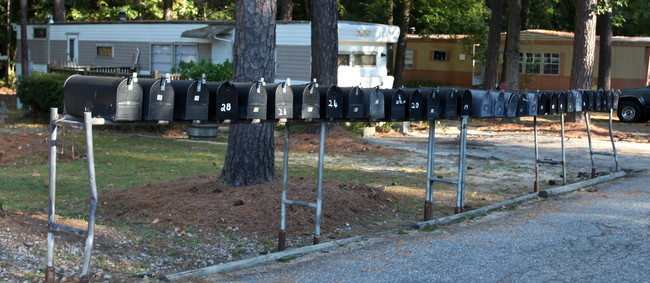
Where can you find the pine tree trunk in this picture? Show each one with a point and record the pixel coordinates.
(400, 52)
(59, 11)
(168, 10)
(584, 45)
(287, 10)
(24, 53)
(512, 48)
(605, 56)
(250, 155)
(324, 41)
(9, 35)
(491, 75)
(525, 12)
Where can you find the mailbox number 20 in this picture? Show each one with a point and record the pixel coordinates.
(225, 107)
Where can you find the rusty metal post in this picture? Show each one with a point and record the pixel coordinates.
(536, 187)
(88, 125)
(50, 274)
(611, 137)
(591, 151)
(428, 202)
(282, 237)
(563, 153)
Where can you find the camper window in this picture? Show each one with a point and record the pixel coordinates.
(104, 51)
(409, 59)
(439, 55)
(365, 60)
(40, 32)
(344, 60)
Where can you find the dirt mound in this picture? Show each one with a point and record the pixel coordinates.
(251, 210)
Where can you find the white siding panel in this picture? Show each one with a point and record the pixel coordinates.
(293, 62)
(154, 32)
(293, 34)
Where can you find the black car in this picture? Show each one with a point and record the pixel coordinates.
(634, 104)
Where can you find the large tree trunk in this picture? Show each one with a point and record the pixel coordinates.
(390, 48)
(24, 53)
(584, 45)
(491, 75)
(168, 10)
(512, 48)
(400, 52)
(287, 10)
(59, 11)
(250, 156)
(605, 56)
(525, 12)
(324, 41)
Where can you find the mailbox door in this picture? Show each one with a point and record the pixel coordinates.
(431, 98)
(283, 102)
(512, 104)
(543, 103)
(532, 100)
(598, 100)
(552, 104)
(481, 103)
(353, 102)
(223, 101)
(332, 102)
(499, 106)
(257, 102)
(157, 101)
(374, 104)
(395, 104)
(449, 101)
(415, 104)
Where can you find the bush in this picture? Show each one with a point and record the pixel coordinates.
(213, 72)
(422, 83)
(41, 91)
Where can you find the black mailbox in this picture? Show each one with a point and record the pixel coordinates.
(552, 103)
(431, 98)
(395, 104)
(588, 97)
(577, 100)
(280, 101)
(190, 99)
(223, 101)
(449, 101)
(607, 102)
(252, 101)
(415, 104)
(482, 103)
(464, 102)
(615, 95)
(598, 100)
(532, 101)
(157, 99)
(561, 102)
(353, 102)
(569, 105)
(331, 102)
(499, 103)
(543, 103)
(306, 101)
(115, 99)
(514, 104)
(373, 103)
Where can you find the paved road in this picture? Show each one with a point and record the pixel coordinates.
(600, 236)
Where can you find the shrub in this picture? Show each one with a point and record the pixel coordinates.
(213, 72)
(41, 91)
(422, 83)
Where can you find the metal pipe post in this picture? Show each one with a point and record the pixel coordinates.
(563, 154)
(49, 271)
(536, 187)
(319, 198)
(591, 151)
(611, 137)
(428, 202)
(282, 237)
(93, 195)
(460, 194)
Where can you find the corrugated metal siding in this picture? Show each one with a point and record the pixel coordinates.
(154, 32)
(205, 51)
(293, 62)
(123, 53)
(293, 34)
(38, 51)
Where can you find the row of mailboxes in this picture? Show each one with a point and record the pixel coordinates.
(127, 99)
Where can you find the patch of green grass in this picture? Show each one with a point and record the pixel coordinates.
(402, 232)
(287, 259)
(239, 251)
(430, 229)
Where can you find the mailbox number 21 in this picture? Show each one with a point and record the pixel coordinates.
(225, 107)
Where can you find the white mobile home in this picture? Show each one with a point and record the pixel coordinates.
(158, 45)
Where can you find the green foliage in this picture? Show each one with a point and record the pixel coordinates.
(41, 91)
(213, 72)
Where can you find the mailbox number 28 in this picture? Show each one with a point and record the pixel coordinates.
(225, 107)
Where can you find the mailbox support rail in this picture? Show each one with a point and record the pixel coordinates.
(538, 161)
(282, 237)
(86, 125)
(431, 178)
(611, 138)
